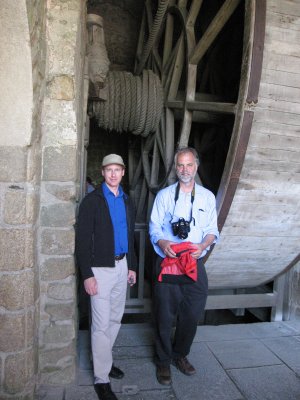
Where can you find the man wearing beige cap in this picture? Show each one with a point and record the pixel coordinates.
(106, 258)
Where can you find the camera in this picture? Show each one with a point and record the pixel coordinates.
(181, 228)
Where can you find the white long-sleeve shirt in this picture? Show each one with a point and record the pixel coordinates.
(165, 211)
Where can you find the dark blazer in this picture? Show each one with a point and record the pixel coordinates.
(95, 245)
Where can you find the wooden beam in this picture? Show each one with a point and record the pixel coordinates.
(227, 301)
(224, 108)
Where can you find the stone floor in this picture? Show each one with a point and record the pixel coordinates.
(258, 361)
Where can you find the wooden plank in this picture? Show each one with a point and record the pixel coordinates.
(281, 180)
(280, 106)
(261, 228)
(280, 93)
(283, 78)
(274, 129)
(286, 7)
(282, 36)
(284, 21)
(271, 116)
(256, 197)
(265, 164)
(220, 302)
(247, 243)
(282, 47)
(285, 143)
(280, 61)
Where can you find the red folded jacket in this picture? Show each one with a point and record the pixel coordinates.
(184, 264)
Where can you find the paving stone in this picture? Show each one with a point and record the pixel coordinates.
(149, 395)
(243, 354)
(271, 329)
(276, 382)
(128, 352)
(135, 336)
(141, 374)
(80, 393)
(210, 382)
(285, 348)
(46, 392)
(223, 332)
(295, 325)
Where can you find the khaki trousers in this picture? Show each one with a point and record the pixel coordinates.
(107, 309)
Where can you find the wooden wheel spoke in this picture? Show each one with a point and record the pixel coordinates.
(213, 106)
(213, 29)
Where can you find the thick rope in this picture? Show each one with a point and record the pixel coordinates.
(134, 103)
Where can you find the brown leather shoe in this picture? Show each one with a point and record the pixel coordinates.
(163, 375)
(184, 366)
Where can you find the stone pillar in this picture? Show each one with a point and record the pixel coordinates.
(63, 123)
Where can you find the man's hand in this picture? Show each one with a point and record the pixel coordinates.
(165, 246)
(198, 250)
(131, 277)
(90, 285)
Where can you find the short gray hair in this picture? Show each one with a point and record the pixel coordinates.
(184, 150)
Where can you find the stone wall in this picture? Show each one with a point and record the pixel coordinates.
(23, 44)
(43, 112)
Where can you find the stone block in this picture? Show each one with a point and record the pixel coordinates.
(59, 334)
(59, 377)
(19, 371)
(60, 311)
(15, 376)
(61, 88)
(12, 332)
(62, 192)
(13, 164)
(53, 356)
(19, 207)
(50, 392)
(54, 269)
(59, 163)
(59, 242)
(61, 291)
(16, 249)
(17, 290)
(60, 215)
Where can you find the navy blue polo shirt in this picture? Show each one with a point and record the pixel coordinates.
(117, 212)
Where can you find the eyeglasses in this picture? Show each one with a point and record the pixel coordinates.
(113, 170)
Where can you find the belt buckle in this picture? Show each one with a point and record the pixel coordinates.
(119, 257)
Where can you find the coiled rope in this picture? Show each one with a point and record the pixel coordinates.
(134, 103)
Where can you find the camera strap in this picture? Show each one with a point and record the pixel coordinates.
(177, 197)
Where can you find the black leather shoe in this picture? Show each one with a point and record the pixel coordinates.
(163, 375)
(116, 373)
(184, 366)
(104, 391)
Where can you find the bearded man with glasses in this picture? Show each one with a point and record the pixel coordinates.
(106, 258)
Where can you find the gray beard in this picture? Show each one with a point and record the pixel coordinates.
(185, 179)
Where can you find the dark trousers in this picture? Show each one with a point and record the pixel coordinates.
(182, 304)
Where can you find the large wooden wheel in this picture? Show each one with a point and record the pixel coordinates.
(183, 42)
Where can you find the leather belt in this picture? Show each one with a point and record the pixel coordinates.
(120, 257)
